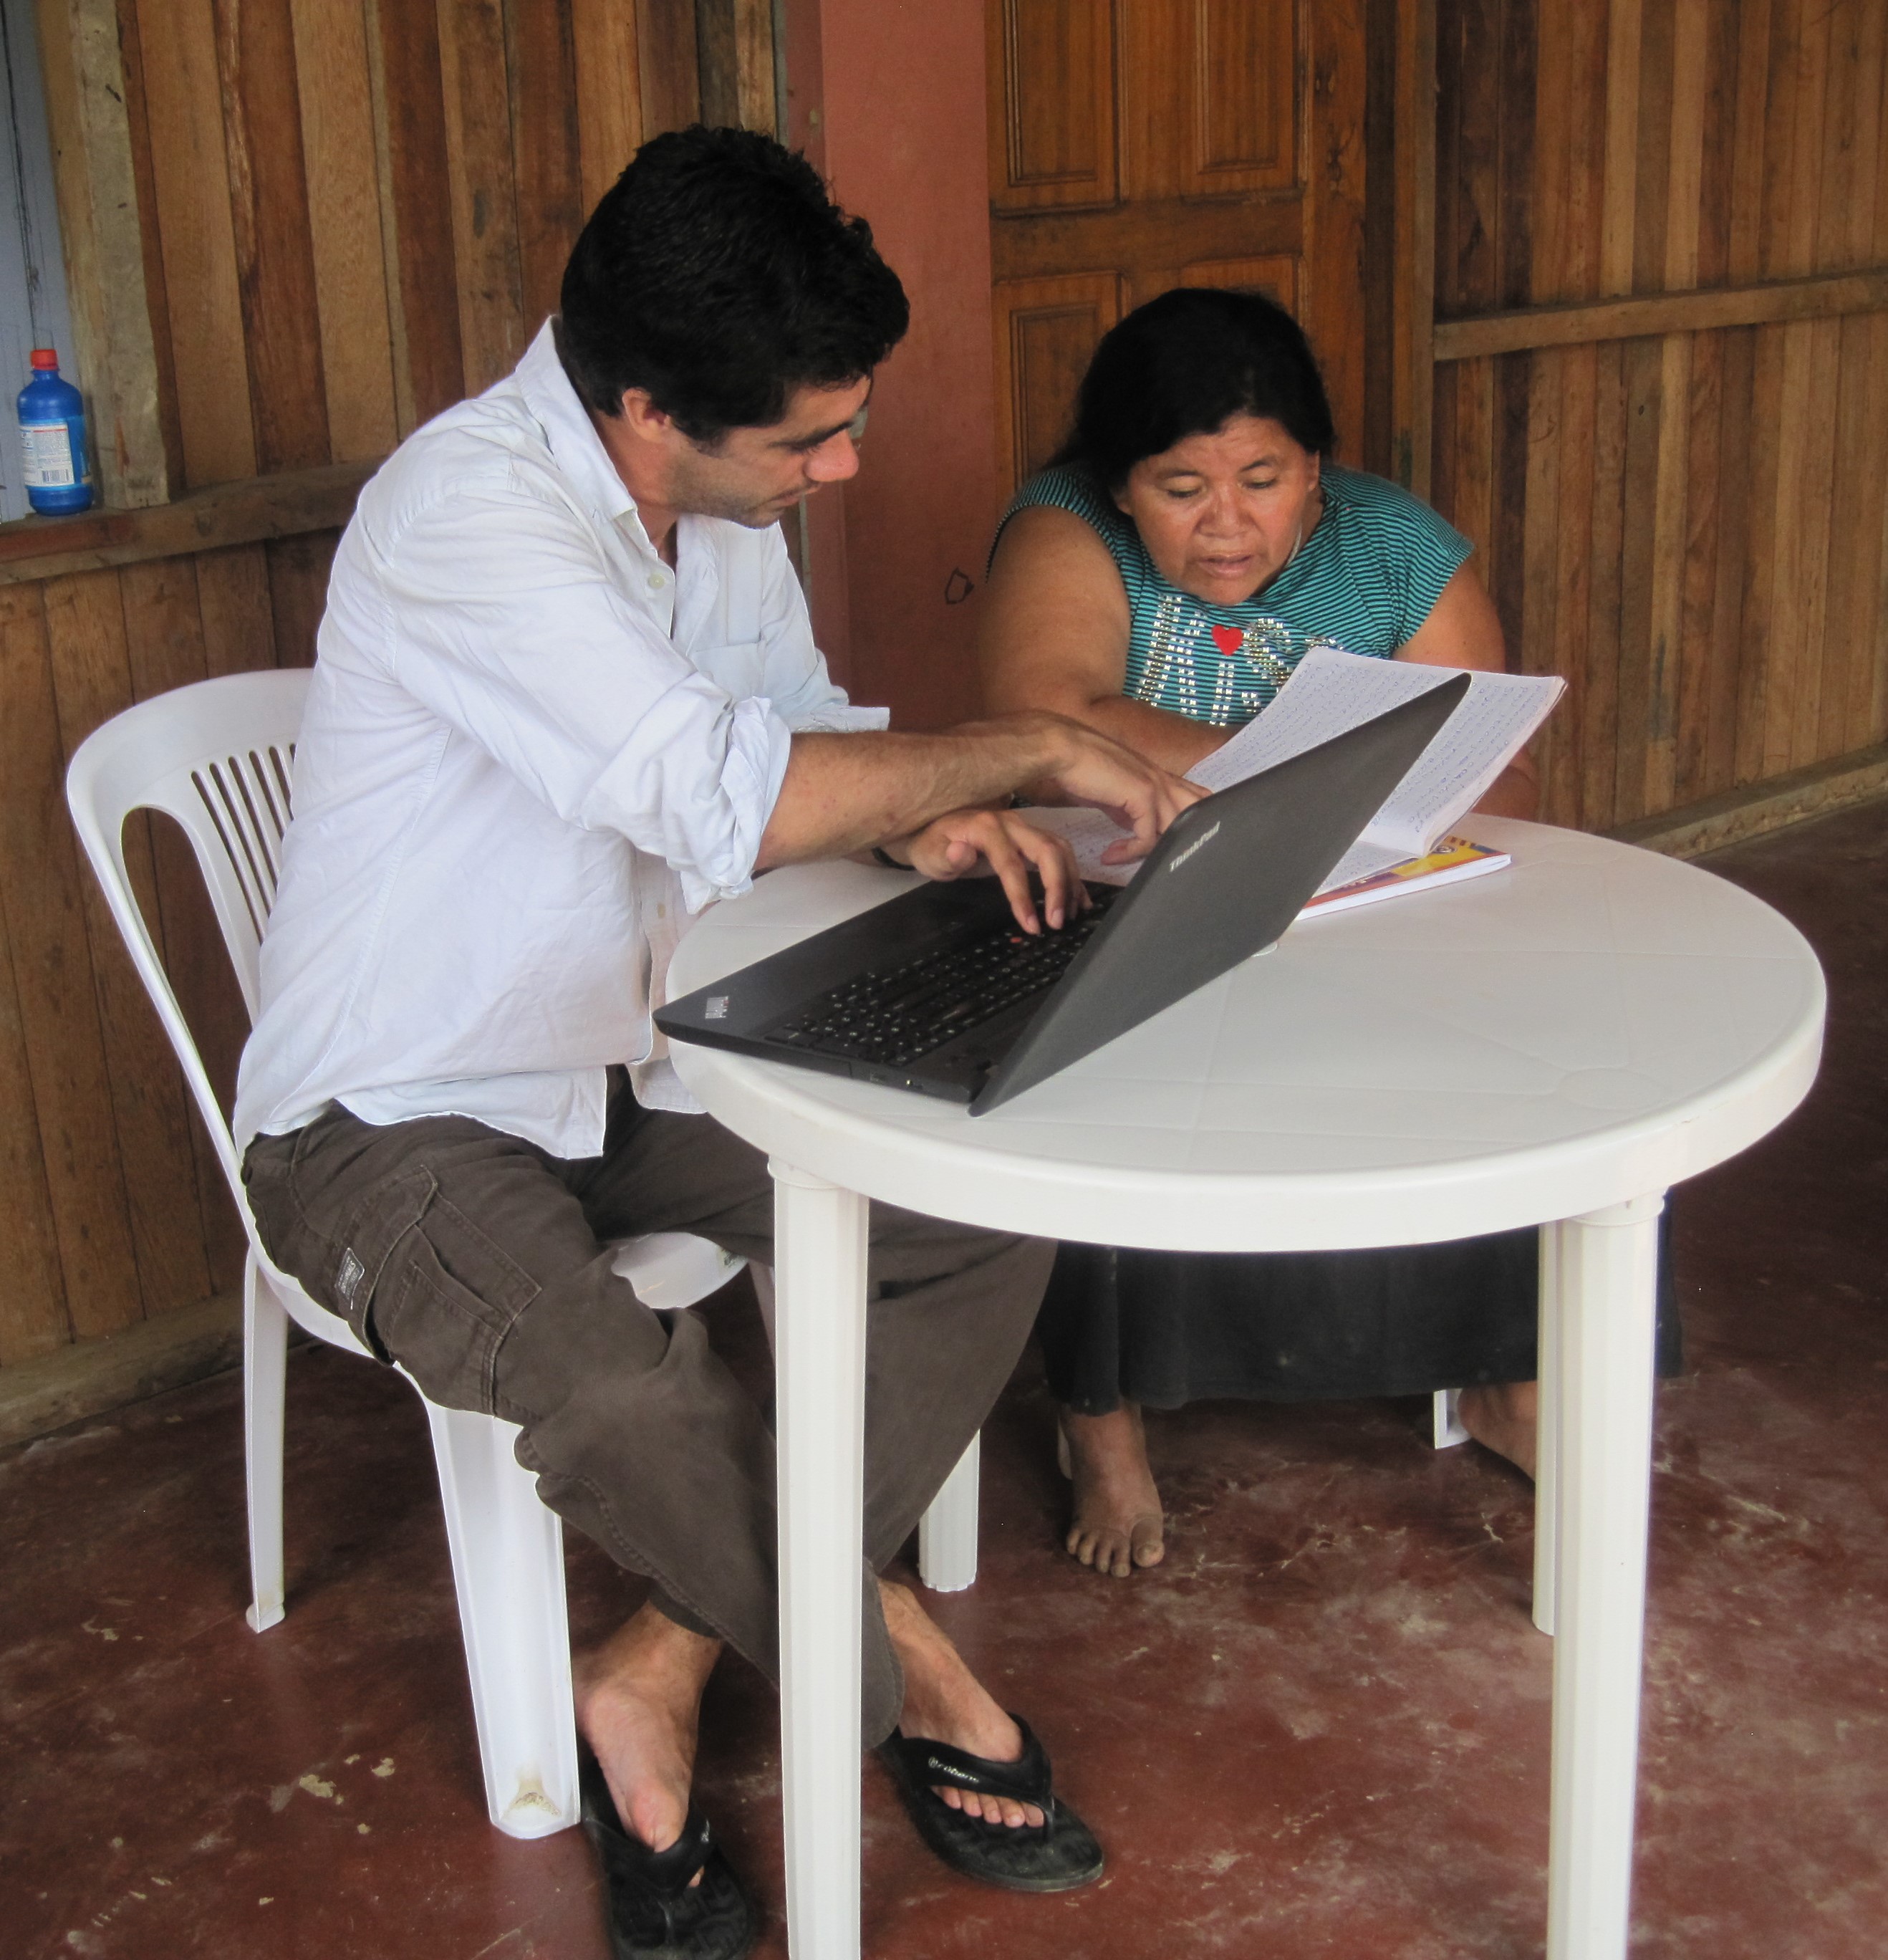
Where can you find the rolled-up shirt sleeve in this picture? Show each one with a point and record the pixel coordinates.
(535, 656)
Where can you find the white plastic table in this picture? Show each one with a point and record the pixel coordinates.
(1556, 1045)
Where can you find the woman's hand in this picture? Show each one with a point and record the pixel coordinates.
(999, 843)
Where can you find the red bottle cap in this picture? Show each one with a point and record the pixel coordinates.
(46, 357)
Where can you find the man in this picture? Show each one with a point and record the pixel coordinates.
(567, 693)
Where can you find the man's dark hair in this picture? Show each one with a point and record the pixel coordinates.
(718, 275)
(1181, 365)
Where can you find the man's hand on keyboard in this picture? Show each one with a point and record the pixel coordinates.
(999, 842)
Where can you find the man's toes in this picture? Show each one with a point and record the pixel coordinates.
(1148, 1547)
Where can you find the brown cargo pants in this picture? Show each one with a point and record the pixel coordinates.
(479, 1263)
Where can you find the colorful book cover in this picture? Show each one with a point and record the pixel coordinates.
(1453, 859)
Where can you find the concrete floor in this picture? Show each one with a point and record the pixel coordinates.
(1319, 1731)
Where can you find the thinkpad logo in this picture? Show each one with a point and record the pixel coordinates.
(1199, 844)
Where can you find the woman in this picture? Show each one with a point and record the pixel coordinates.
(1160, 580)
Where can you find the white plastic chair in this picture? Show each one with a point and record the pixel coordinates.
(218, 758)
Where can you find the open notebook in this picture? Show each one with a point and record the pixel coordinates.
(1332, 691)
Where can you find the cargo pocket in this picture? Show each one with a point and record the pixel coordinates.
(446, 1298)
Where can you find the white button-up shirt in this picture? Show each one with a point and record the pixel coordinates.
(530, 750)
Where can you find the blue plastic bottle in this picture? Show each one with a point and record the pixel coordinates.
(58, 479)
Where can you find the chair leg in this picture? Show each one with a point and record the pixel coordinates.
(508, 1568)
(947, 1532)
(1445, 1418)
(1547, 1428)
(264, 1367)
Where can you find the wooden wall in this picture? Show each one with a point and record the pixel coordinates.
(358, 211)
(344, 215)
(1661, 399)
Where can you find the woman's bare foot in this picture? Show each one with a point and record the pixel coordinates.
(1118, 1520)
(1501, 1417)
(944, 1702)
(638, 1701)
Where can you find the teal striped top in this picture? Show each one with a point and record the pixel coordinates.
(1364, 580)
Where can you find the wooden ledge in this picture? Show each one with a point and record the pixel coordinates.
(1755, 809)
(244, 513)
(1829, 296)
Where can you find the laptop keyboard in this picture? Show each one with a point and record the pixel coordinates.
(896, 1017)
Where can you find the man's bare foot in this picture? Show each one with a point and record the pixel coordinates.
(1501, 1417)
(944, 1702)
(1118, 1520)
(638, 1700)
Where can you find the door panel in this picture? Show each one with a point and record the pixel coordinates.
(1140, 144)
(1052, 104)
(1047, 328)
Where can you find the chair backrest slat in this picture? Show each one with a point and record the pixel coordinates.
(218, 758)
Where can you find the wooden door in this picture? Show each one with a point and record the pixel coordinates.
(1139, 144)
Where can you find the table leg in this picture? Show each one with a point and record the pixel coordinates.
(1547, 1429)
(1608, 1306)
(819, 1367)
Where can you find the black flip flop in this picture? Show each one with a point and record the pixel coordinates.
(1054, 1857)
(652, 1911)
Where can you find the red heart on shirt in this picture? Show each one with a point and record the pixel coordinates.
(1228, 640)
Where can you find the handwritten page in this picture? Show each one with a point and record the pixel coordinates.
(1330, 692)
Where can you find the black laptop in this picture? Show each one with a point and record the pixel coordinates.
(939, 992)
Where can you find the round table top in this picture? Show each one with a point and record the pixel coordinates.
(1593, 1024)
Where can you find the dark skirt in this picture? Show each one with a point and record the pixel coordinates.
(1165, 1328)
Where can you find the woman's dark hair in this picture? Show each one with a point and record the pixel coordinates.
(717, 274)
(1182, 364)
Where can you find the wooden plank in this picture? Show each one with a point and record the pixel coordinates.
(59, 1011)
(1745, 254)
(274, 253)
(1445, 459)
(1619, 198)
(1684, 79)
(1536, 650)
(298, 570)
(350, 275)
(410, 135)
(1601, 733)
(1814, 520)
(1333, 272)
(1850, 169)
(1736, 502)
(87, 632)
(1641, 373)
(1575, 573)
(239, 625)
(1652, 156)
(757, 70)
(1163, 231)
(1506, 571)
(156, 298)
(96, 170)
(264, 507)
(1757, 620)
(484, 197)
(667, 64)
(1701, 491)
(1472, 510)
(546, 161)
(190, 170)
(609, 106)
(1827, 296)
(33, 1315)
(1414, 269)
